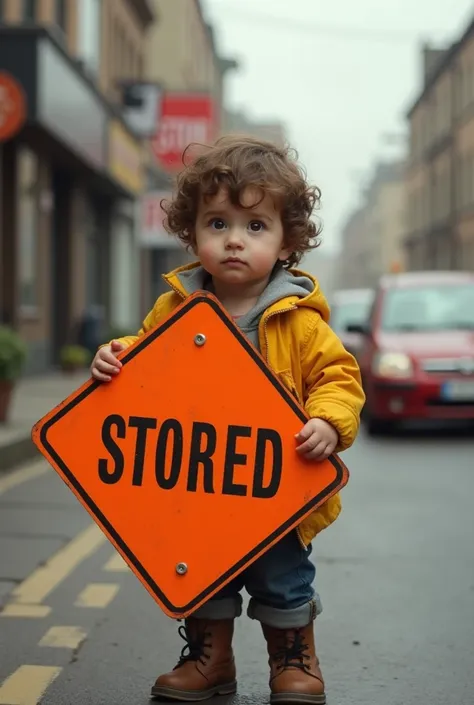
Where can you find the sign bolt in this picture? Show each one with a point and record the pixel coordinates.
(181, 568)
(200, 339)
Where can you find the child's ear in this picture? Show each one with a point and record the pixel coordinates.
(193, 243)
(284, 254)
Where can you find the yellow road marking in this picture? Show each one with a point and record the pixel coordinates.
(26, 611)
(18, 477)
(27, 685)
(97, 595)
(43, 580)
(116, 564)
(63, 637)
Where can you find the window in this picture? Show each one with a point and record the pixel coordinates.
(29, 10)
(466, 89)
(140, 67)
(447, 195)
(470, 84)
(353, 311)
(460, 187)
(61, 14)
(467, 255)
(128, 70)
(28, 229)
(458, 184)
(122, 65)
(131, 59)
(458, 81)
(465, 185)
(89, 33)
(425, 200)
(441, 307)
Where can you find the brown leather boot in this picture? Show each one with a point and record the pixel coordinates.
(208, 667)
(295, 676)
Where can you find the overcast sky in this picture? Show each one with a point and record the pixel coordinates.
(339, 73)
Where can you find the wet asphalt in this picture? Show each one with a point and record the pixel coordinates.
(395, 574)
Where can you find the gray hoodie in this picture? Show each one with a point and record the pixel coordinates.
(282, 284)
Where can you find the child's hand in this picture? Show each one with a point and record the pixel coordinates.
(105, 363)
(318, 439)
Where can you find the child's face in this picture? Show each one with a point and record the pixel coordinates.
(239, 245)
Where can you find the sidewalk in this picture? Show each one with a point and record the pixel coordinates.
(33, 398)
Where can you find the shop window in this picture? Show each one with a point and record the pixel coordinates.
(28, 224)
(29, 10)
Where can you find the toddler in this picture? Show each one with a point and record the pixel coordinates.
(244, 207)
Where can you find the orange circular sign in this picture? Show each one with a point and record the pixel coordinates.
(12, 106)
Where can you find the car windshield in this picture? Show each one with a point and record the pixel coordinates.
(350, 313)
(444, 307)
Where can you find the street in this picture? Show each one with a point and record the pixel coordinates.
(395, 573)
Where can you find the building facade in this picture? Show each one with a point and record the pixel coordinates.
(237, 122)
(184, 35)
(373, 237)
(181, 57)
(440, 176)
(70, 169)
(350, 270)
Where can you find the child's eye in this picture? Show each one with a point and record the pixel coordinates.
(256, 226)
(217, 224)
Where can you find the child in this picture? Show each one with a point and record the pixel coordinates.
(243, 206)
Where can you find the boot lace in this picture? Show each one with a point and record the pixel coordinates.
(194, 647)
(292, 654)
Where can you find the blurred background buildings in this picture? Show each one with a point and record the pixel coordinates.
(417, 212)
(99, 98)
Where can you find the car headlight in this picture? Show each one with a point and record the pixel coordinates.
(392, 364)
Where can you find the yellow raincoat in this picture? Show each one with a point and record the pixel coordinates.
(309, 359)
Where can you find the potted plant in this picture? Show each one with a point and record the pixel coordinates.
(12, 360)
(73, 358)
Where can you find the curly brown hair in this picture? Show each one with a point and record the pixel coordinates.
(236, 163)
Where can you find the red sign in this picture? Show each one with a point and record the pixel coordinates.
(12, 106)
(185, 118)
(152, 231)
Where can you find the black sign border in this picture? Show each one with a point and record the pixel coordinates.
(287, 396)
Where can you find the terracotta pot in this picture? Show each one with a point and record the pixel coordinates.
(69, 368)
(6, 389)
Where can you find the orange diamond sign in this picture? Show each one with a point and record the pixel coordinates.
(186, 460)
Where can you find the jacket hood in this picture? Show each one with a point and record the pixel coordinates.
(287, 287)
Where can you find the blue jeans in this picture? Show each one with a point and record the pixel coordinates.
(280, 586)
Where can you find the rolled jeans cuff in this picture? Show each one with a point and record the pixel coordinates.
(295, 618)
(226, 608)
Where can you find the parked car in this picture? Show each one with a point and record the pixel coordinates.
(417, 361)
(350, 309)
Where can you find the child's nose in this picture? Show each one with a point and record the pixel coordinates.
(234, 237)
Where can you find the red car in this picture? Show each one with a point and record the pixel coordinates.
(417, 360)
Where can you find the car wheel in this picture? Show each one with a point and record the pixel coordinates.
(373, 425)
(377, 427)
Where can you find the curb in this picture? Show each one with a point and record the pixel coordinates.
(17, 452)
